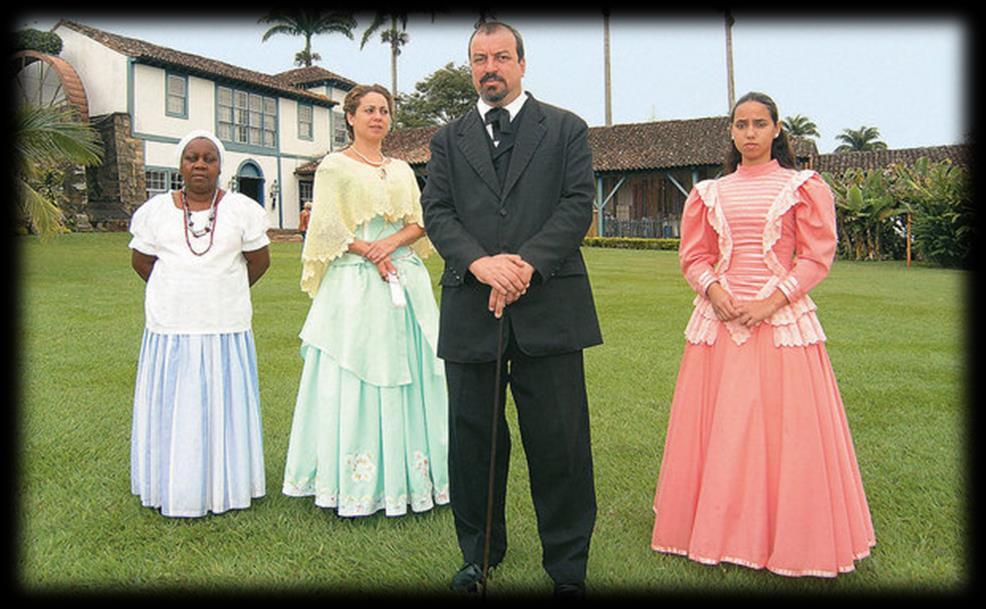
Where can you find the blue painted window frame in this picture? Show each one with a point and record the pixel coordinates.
(311, 122)
(232, 144)
(167, 95)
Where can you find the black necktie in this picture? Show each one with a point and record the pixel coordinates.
(500, 119)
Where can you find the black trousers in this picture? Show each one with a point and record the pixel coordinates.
(553, 415)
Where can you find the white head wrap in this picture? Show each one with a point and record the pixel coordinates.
(200, 133)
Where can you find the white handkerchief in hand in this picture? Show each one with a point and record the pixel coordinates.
(396, 290)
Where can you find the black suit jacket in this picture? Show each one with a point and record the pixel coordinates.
(541, 212)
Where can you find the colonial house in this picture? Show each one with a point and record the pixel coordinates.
(143, 98)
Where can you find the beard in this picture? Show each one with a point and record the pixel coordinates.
(491, 96)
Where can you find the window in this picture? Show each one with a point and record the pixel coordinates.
(162, 180)
(305, 131)
(177, 96)
(156, 181)
(247, 118)
(340, 137)
(177, 181)
(304, 193)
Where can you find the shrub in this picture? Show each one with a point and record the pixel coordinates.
(632, 243)
(36, 40)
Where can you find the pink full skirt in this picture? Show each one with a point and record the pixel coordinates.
(758, 466)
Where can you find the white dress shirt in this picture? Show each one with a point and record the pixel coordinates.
(512, 109)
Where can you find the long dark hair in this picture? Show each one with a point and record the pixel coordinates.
(780, 148)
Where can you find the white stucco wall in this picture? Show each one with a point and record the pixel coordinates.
(150, 116)
(102, 70)
(291, 144)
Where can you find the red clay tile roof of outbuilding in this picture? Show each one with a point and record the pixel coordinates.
(659, 144)
(194, 64)
(313, 74)
(838, 162)
(411, 145)
(618, 148)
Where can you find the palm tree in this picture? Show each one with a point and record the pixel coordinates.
(864, 138)
(731, 90)
(395, 37)
(606, 79)
(485, 14)
(307, 24)
(800, 126)
(47, 138)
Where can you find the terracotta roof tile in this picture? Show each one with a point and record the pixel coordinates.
(313, 74)
(676, 144)
(195, 64)
(629, 147)
(838, 162)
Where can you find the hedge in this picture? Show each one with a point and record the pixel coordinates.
(631, 243)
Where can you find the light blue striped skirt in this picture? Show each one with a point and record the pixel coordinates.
(196, 443)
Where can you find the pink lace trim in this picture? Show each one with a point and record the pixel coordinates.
(795, 324)
(785, 200)
(709, 192)
(752, 565)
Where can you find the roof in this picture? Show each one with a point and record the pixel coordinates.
(411, 145)
(677, 144)
(314, 75)
(617, 148)
(194, 64)
(838, 162)
(659, 144)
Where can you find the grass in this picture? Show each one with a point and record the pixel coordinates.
(895, 340)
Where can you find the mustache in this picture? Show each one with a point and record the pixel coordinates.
(491, 76)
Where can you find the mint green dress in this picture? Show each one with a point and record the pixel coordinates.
(370, 428)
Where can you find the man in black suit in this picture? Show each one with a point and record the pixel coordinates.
(507, 203)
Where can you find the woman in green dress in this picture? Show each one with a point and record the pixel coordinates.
(370, 428)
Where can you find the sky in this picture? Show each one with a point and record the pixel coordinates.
(908, 76)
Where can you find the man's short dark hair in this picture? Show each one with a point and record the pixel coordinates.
(488, 27)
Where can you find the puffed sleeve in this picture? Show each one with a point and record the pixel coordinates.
(815, 238)
(698, 249)
(144, 239)
(255, 225)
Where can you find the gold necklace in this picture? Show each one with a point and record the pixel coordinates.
(379, 165)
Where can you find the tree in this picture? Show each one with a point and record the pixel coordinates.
(800, 126)
(393, 36)
(731, 91)
(939, 198)
(308, 23)
(442, 96)
(864, 138)
(607, 89)
(31, 39)
(865, 209)
(46, 139)
(485, 14)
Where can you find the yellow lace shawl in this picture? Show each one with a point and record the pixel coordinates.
(347, 193)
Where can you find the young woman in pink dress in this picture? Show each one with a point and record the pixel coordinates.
(758, 466)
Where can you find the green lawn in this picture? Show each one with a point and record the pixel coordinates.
(895, 339)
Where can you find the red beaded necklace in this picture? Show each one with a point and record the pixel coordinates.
(210, 228)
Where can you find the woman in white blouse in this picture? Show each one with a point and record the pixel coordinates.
(196, 437)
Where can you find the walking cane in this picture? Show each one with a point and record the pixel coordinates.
(489, 487)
